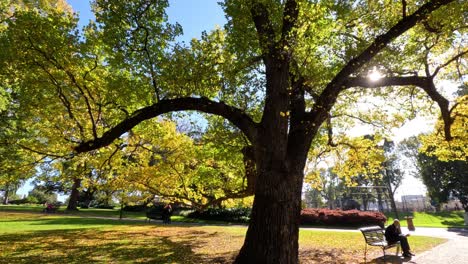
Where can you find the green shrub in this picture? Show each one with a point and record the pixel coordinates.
(135, 208)
(236, 215)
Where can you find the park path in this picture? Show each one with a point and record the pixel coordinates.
(454, 251)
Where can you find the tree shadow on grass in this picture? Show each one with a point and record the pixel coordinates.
(454, 223)
(100, 246)
(85, 221)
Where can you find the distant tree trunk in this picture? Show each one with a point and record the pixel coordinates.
(365, 201)
(75, 193)
(331, 197)
(108, 197)
(121, 209)
(380, 200)
(7, 193)
(88, 196)
(391, 196)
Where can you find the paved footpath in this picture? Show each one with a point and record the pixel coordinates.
(455, 251)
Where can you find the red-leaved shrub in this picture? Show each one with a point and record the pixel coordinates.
(315, 216)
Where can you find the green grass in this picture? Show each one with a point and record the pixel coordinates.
(115, 213)
(436, 219)
(111, 213)
(39, 238)
(21, 222)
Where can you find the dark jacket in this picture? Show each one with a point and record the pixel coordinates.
(392, 233)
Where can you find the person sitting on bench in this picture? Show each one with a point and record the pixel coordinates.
(393, 234)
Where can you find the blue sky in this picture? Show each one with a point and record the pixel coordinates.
(195, 16)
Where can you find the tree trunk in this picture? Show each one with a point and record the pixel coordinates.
(391, 196)
(272, 236)
(7, 193)
(365, 201)
(73, 201)
(380, 200)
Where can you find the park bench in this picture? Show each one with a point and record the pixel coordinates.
(154, 215)
(50, 209)
(374, 236)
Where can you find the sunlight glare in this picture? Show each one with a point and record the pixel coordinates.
(375, 75)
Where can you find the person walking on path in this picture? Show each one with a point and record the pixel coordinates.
(167, 211)
(393, 234)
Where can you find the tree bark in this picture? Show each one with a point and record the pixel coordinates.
(272, 236)
(73, 201)
(380, 200)
(7, 193)
(392, 201)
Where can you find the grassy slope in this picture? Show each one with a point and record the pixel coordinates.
(38, 238)
(439, 219)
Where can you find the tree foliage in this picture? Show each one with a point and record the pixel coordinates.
(445, 179)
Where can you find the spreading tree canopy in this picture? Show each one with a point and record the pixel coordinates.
(283, 72)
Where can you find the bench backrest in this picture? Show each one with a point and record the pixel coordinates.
(373, 234)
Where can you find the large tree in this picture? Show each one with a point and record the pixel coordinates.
(278, 71)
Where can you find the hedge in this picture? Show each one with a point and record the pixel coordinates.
(315, 216)
(236, 215)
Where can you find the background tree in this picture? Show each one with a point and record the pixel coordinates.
(41, 195)
(297, 64)
(444, 179)
(392, 175)
(169, 164)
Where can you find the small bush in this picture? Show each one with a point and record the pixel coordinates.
(313, 216)
(19, 201)
(103, 206)
(236, 215)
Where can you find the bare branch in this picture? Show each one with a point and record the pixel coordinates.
(385, 81)
(459, 55)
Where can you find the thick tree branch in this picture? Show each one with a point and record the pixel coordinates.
(385, 81)
(234, 115)
(443, 103)
(290, 14)
(265, 31)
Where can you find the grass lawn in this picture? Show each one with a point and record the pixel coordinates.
(38, 238)
(436, 219)
(80, 212)
(93, 212)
